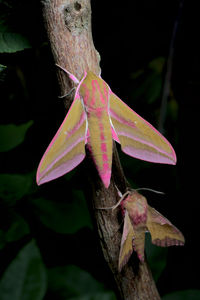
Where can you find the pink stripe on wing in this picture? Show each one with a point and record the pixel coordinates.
(77, 126)
(148, 143)
(61, 169)
(67, 150)
(121, 119)
(87, 94)
(147, 155)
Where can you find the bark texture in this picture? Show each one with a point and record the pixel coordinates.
(68, 24)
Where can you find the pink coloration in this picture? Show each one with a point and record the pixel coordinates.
(71, 76)
(94, 89)
(105, 157)
(87, 136)
(105, 177)
(114, 136)
(98, 112)
(106, 92)
(121, 119)
(69, 165)
(103, 146)
(139, 218)
(87, 95)
(106, 167)
(143, 218)
(147, 155)
(61, 170)
(41, 174)
(97, 101)
(77, 126)
(102, 137)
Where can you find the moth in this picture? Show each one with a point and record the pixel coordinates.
(96, 118)
(139, 217)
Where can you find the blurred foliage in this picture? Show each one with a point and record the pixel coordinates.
(2, 68)
(48, 249)
(11, 135)
(183, 295)
(71, 282)
(25, 277)
(63, 217)
(12, 42)
(13, 229)
(14, 187)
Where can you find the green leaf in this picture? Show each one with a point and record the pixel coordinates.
(25, 277)
(63, 217)
(14, 186)
(2, 68)
(97, 296)
(156, 257)
(12, 135)
(12, 42)
(71, 282)
(183, 295)
(16, 228)
(157, 64)
(148, 82)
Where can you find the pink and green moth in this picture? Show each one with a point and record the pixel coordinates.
(96, 117)
(139, 218)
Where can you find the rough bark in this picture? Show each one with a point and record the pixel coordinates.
(68, 24)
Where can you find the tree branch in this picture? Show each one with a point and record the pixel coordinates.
(68, 24)
(168, 75)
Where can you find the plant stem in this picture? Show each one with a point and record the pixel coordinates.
(168, 75)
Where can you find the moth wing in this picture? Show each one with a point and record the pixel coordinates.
(137, 137)
(163, 232)
(67, 149)
(139, 242)
(126, 248)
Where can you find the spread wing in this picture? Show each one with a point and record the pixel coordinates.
(126, 248)
(67, 149)
(137, 137)
(163, 232)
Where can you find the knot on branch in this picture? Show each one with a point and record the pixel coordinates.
(77, 16)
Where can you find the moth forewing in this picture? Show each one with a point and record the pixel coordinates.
(137, 137)
(126, 248)
(163, 232)
(67, 149)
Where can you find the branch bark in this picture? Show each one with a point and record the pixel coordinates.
(68, 25)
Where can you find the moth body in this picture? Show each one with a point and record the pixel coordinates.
(96, 117)
(95, 98)
(139, 218)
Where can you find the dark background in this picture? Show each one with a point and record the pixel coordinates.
(133, 40)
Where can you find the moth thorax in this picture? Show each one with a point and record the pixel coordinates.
(94, 92)
(136, 206)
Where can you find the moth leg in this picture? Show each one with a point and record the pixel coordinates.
(67, 94)
(117, 204)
